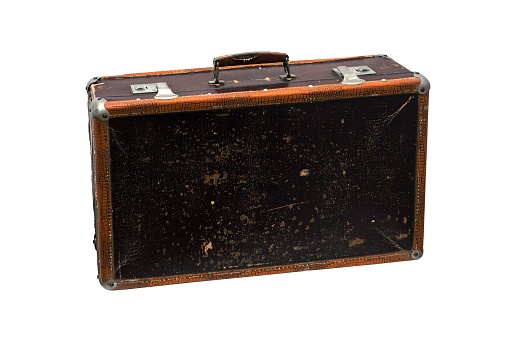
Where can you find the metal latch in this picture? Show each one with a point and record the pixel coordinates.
(350, 74)
(161, 88)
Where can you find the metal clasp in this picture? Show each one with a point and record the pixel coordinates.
(350, 74)
(161, 88)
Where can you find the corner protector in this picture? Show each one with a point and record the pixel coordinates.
(424, 86)
(416, 254)
(110, 285)
(91, 82)
(97, 109)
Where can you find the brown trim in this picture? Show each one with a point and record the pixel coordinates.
(256, 271)
(423, 109)
(102, 184)
(261, 98)
(208, 69)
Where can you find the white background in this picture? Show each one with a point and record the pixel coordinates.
(50, 49)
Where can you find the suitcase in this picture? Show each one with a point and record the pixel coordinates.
(255, 166)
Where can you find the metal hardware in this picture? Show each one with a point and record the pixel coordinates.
(110, 284)
(161, 88)
(384, 56)
(216, 81)
(92, 81)
(98, 109)
(416, 254)
(424, 86)
(350, 74)
(144, 88)
(287, 76)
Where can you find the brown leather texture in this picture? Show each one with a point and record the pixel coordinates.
(367, 260)
(102, 198)
(421, 161)
(100, 142)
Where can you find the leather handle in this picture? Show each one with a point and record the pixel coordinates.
(251, 58)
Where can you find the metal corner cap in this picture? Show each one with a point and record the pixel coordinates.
(92, 81)
(97, 109)
(416, 254)
(424, 86)
(109, 285)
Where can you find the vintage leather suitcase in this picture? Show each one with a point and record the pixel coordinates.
(257, 166)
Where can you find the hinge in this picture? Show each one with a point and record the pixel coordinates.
(161, 88)
(350, 74)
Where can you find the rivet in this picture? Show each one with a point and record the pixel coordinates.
(416, 254)
(110, 284)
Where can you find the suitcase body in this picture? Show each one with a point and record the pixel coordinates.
(256, 166)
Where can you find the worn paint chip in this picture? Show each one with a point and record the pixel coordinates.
(305, 172)
(356, 242)
(287, 138)
(206, 247)
(402, 236)
(215, 178)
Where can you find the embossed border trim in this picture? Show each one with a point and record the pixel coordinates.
(421, 161)
(367, 260)
(102, 198)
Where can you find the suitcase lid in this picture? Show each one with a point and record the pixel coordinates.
(249, 85)
(253, 77)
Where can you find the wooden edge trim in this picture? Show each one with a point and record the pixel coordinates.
(208, 69)
(102, 191)
(127, 108)
(256, 271)
(421, 157)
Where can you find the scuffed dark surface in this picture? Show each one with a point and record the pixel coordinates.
(261, 186)
(251, 78)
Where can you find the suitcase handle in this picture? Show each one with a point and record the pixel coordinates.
(251, 58)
